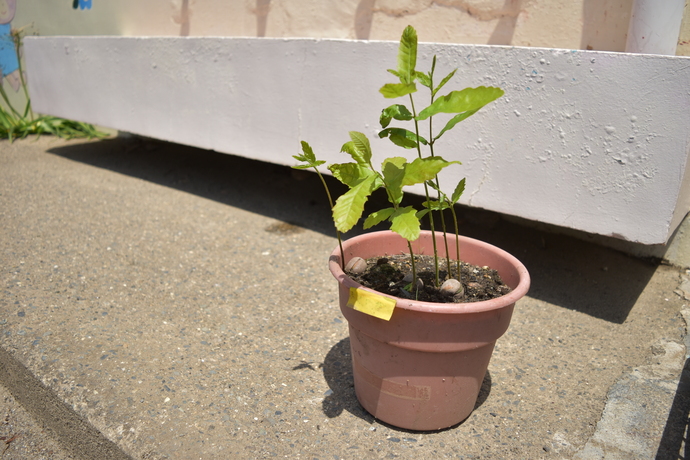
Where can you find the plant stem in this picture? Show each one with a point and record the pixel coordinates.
(457, 239)
(17, 47)
(426, 193)
(7, 101)
(443, 219)
(337, 232)
(414, 267)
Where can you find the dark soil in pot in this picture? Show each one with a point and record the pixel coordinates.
(387, 275)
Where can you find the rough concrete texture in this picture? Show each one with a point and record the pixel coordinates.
(21, 437)
(165, 302)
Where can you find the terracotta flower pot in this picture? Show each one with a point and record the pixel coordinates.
(423, 369)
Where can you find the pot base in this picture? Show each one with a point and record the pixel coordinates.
(416, 390)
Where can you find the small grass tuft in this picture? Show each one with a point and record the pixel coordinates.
(15, 124)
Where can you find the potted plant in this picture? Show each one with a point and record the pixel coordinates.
(417, 363)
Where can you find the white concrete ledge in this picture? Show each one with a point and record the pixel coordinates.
(587, 140)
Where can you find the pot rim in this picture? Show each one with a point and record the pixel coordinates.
(433, 307)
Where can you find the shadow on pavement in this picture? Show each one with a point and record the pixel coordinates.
(674, 442)
(565, 271)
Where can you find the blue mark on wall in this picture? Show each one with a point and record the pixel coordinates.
(81, 4)
(9, 63)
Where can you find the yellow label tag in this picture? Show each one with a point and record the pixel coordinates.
(371, 304)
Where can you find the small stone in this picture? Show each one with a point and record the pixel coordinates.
(356, 265)
(451, 286)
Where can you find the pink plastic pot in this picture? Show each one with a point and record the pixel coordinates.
(423, 369)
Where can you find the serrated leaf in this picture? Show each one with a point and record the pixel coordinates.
(402, 141)
(306, 166)
(455, 120)
(358, 148)
(422, 213)
(433, 185)
(402, 137)
(349, 148)
(405, 223)
(377, 217)
(393, 174)
(462, 101)
(394, 72)
(393, 90)
(398, 161)
(407, 55)
(307, 150)
(424, 79)
(350, 174)
(457, 193)
(307, 157)
(349, 206)
(395, 111)
(443, 82)
(424, 169)
(434, 205)
(362, 146)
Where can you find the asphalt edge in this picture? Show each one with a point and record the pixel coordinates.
(72, 433)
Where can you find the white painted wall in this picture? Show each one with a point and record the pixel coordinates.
(593, 141)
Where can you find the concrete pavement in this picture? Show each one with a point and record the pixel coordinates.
(165, 302)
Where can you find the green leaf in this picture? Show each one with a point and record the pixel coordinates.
(433, 185)
(434, 205)
(393, 175)
(304, 166)
(377, 217)
(358, 148)
(362, 146)
(402, 137)
(349, 148)
(405, 223)
(407, 55)
(393, 90)
(458, 192)
(462, 101)
(350, 205)
(308, 153)
(455, 120)
(424, 79)
(395, 111)
(394, 72)
(307, 157)
(424, 169)
(350, 174)
(443, 82)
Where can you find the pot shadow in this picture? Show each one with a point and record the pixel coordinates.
(337, 370)
(568, 272)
